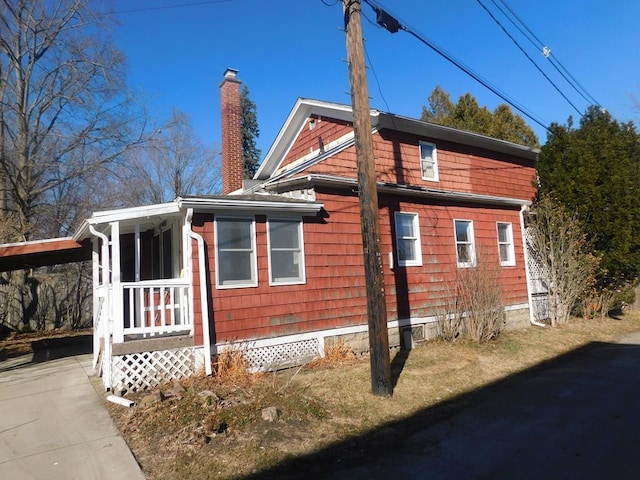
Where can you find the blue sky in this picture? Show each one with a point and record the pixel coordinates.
(285, 49)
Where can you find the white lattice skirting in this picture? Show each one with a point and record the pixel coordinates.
(274, 357)
(139, 371)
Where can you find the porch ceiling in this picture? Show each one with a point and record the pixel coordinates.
(41, 253)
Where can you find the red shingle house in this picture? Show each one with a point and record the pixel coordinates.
(276, 263)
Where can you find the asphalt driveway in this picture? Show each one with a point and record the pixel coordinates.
(574, 417)
(53, 423)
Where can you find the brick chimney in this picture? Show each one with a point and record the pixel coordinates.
(232, 171)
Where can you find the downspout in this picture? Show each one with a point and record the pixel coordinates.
(525, 251)
(105, 333)
(203, 291)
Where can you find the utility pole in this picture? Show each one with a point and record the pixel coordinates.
(368, 196)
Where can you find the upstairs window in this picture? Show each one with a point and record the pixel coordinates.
(505, 244)
(408, 239)
(428, 161)
(465, 247)
(235, 252)
(286, 254)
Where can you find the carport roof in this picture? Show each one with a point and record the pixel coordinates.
(41, 253)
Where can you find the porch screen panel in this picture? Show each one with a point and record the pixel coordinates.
(235, 251)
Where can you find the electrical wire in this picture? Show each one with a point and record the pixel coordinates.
(167, 7)
(495, 19)
(449, 57)
(538, 44)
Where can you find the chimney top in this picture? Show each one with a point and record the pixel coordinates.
(230, 74)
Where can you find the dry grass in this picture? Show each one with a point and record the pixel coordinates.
(328, 413)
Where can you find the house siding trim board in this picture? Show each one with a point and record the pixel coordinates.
(259, 350)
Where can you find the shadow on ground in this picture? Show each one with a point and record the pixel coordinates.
(46, 349)
(576, 416)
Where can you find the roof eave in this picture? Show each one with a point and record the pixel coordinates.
(395, 189)
(230, 204)
(440, 132)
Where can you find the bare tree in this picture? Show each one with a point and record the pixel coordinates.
(175, 162)
(65, 117)
(557, 243)
(64, 112)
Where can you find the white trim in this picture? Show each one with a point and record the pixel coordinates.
(417, 261)
(320, 335)
(217, 204)
(471, 242)
(254, 254)
(511, 261)
(116, 297)
(434, 157)
(302, 268)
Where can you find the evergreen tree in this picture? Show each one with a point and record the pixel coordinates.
(593, 171)
(466, 114)
(250, 131)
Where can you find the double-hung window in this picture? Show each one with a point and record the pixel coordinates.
(465, 247)
(505, 244)
(286, 253)
(235, 252)
(428, 161)
(408, 239)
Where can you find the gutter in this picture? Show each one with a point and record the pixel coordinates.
(203, 291)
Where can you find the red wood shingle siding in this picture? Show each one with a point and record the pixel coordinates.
(334, 293)
(308, 139)
(460, 168)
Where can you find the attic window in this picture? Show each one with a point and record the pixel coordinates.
(428, 161)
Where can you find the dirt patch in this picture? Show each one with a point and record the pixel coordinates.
(215, 429)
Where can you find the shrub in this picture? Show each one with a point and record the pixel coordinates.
(475, 309)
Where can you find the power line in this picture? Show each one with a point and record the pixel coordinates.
(537, 43)
(449, 57)
(528, 57)
(167, 7)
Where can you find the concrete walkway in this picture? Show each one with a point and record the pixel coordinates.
(53, 423)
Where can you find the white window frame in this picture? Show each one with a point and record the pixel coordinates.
(417, 261)
(434, 161)
(253, 281)
(511, 260)
(470, 242)
(301, 278)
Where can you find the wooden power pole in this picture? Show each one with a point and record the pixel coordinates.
(368, 196)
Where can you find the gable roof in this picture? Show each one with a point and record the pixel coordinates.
(304, 108)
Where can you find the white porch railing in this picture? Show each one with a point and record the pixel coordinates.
(156, 307)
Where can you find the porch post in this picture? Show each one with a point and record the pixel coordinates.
(118, 307)
(137, 254)
(95, 270)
